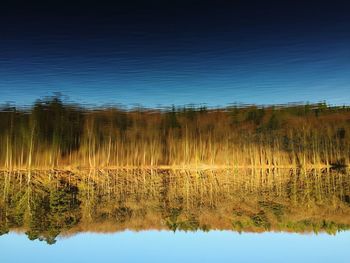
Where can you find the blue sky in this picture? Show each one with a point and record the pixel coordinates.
(154, 246)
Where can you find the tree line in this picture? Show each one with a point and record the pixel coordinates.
(55, 203)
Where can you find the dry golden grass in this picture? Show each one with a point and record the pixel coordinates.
(256, 200)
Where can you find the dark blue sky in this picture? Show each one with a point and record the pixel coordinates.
(176, 52)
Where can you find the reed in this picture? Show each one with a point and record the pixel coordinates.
(253, 200)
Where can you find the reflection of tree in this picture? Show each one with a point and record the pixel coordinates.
(54, 133)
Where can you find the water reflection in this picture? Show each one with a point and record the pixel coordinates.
(46, 205)
(55, 134)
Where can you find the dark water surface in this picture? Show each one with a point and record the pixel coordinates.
(177, 52)
(176, 215)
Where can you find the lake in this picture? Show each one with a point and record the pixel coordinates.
(175, 131)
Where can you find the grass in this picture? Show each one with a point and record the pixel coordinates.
(64, 203)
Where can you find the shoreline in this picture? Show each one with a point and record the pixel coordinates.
(173, 167)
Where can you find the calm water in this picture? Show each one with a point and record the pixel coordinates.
(163, 215)
(177, 53)
(232, 64)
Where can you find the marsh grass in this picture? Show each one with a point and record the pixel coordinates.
(57, 203)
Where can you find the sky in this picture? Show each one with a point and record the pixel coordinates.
(166, 246)
(154, 53)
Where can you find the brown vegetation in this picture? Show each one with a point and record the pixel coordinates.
(65, 203)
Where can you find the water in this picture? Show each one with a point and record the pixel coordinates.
(179, 53)
(175, 131)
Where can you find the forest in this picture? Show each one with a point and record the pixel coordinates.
(56, 204)
(53, 133)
